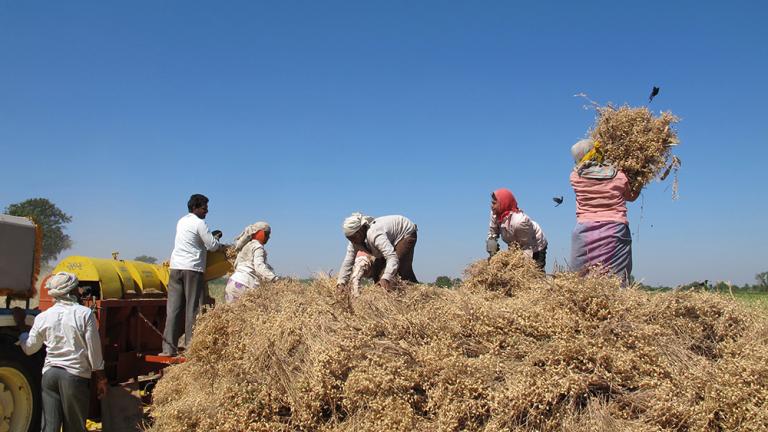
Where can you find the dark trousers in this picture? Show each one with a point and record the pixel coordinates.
(541, 258)
(65, 401)
(404, 251)
(185, 297)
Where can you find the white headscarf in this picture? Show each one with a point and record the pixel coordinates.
(353, 223)
(245, 253)
(248, 232)
(61, 284)
(581, 148)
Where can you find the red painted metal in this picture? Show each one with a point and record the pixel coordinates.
(164, 359)
(130, 331)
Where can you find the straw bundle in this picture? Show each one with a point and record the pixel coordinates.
(568, 353)
(637, 142)
(231, 253)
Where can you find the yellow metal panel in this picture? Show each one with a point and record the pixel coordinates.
(145, 276)
(126, 279)
(163, 273)
(81, 266)
(98, 270)
(117, 278)
(216, 265)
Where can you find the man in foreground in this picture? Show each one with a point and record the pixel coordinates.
(69, 332)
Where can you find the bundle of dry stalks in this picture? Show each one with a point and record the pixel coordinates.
(637, 142)
(567, 353)
(231, 253)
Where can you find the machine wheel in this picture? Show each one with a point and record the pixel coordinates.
(20, 397)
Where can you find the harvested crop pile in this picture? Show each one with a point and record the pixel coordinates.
(637, 142)
(568, 353)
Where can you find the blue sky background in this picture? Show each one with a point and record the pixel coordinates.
(300, 112)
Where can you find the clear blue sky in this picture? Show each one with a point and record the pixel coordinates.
(300, 112)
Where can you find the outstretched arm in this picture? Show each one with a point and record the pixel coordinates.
(263, 270)
(210, 242)
(32, 341)
(381, 242)
(346, 266)
(493, 227)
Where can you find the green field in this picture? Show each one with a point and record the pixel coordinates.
(756, 299)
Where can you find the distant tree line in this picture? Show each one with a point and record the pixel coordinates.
(760, 285)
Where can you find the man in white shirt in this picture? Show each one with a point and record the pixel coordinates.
(70, 334)
(392, 238)
(186, 286)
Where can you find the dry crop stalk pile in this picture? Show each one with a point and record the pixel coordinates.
(637, 142)
(509, 350)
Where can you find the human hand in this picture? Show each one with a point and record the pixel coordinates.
(101, 384)
(20, 317)
(492, 246)
(387, 285)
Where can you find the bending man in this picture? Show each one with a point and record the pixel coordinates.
(390, 239)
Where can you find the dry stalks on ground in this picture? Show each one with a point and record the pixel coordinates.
(525, 353)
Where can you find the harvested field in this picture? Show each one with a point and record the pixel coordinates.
(510, 350)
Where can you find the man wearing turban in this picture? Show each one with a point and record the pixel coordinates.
(73, 354)
(390, 239)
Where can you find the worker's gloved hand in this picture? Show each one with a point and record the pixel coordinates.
(492, 246)
(217, 234)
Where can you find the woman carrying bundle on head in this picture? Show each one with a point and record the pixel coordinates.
(251, 265)
(601, 236)
(514, 227)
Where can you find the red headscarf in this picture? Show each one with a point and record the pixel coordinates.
(507, 203)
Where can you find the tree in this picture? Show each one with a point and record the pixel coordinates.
(443, 282)
(51, 221)
(762, 281)
(146, 258)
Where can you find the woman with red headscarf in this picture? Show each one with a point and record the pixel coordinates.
(514, 226)
(251, 265)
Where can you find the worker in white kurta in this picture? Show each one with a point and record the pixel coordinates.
(514, 227)
(186, 286)
(390, 239)
(251, 265)
(73, 355)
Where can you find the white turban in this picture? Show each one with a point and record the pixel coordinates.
(581, 148)
(250, 230)
(60, 284)
(354, 222)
